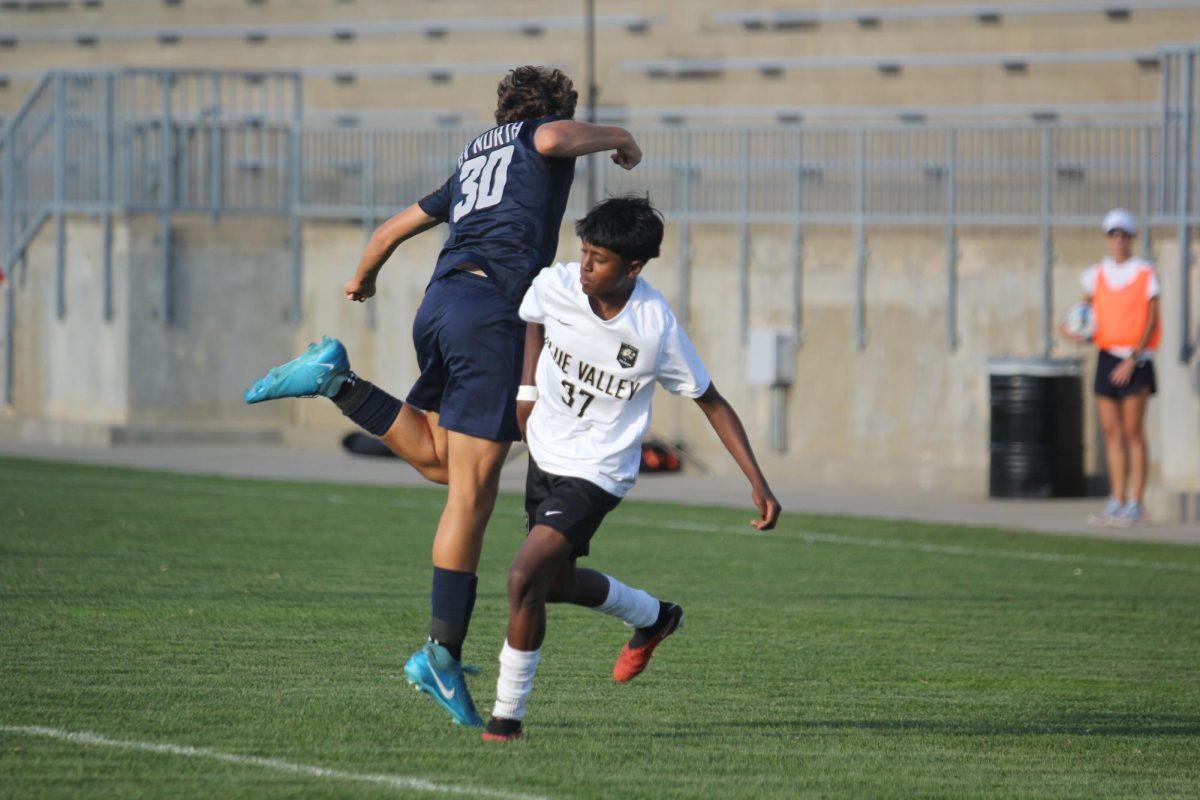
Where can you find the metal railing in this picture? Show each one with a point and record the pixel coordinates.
(146, 141)
(989, 13)
(217, 143)
(343, 31)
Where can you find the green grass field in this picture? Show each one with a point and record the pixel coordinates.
(265, 625)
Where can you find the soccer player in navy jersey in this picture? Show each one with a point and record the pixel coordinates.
(504, 204)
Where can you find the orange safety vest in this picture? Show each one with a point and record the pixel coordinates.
(1121, 314)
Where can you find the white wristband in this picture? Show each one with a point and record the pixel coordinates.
(529, 393)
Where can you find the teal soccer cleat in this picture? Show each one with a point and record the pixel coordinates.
(321, 370)
(437, 673)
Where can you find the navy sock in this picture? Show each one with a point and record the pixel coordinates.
(370, 407)
(453, 601)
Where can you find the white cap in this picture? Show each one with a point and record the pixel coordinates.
(1120, 220)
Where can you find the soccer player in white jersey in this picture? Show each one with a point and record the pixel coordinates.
(598, 338)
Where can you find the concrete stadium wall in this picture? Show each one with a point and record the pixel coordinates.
(71, 368)
(1177, 445)
(81, 378)
(230, 288)
(905, 411)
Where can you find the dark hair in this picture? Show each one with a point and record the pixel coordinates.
(629, 226)
(532, 92)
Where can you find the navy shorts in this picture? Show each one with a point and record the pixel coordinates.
(1142, 378)
(470, 344)
(572, 506)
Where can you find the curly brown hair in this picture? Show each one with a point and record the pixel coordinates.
(532, 92)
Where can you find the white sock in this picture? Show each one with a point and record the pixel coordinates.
(635, 608)
(515, 682)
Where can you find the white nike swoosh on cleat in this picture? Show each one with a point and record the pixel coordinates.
(551, 513)
(446, 693)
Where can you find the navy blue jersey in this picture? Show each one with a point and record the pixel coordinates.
(504, 204)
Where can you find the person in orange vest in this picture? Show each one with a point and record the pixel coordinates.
(1124, 294)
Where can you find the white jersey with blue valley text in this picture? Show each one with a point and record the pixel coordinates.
(596, 377)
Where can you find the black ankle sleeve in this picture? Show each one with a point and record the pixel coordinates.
(368, 406)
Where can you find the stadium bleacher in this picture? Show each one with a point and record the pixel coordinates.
(983, 13)
(369, 61)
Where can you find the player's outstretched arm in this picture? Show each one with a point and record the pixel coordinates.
(567, 138)
(535, 340)
(383, 242)
(725, 422)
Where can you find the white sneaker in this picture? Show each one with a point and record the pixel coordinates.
(1129, 515)
(1105, 518)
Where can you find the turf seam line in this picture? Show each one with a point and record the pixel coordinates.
(279, 765)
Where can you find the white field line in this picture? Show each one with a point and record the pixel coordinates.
(917, 547)
(620, 519)
(390, 781)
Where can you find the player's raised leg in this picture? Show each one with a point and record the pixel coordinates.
(653, 620)
(416, 437)
(324, 371)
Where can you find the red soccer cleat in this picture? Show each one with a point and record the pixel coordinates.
(633, 660)
(499, 729)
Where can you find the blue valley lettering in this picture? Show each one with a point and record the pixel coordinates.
(589, 375)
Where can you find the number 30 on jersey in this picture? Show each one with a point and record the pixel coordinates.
(482, 179)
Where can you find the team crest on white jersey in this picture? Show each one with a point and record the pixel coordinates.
(627, 355)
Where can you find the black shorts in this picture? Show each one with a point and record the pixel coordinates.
(572, 506)
(1142, 378)
(470, 346)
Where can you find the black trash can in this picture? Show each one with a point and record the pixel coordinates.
(1036, 428)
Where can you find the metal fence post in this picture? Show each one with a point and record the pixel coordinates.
(1146, 198)
(216, 160)
(368, 201)
(107, 193)
(294, 184)
(951, 244)
(860, 239)
(10, 327)
(60, 195)
(1168, 118)
(1047, 209)
(797, 315)
(685, 253)
(10, 231)
(1182, 202)
(165, 197)
(601, 166)
(743, 235)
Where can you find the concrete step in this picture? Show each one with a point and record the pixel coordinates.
(63, 433)
(1173, 504)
